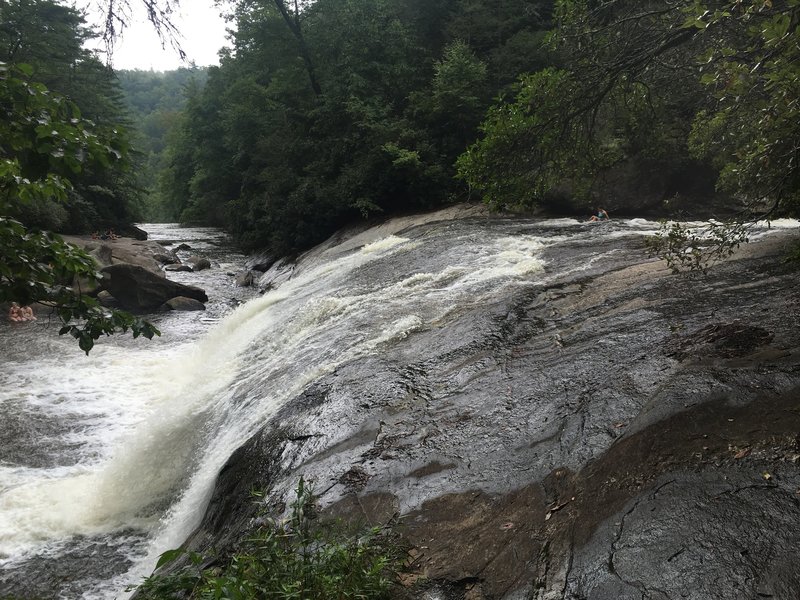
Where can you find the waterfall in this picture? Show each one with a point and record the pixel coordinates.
(124, 447)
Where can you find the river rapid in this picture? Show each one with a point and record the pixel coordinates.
(108, 460)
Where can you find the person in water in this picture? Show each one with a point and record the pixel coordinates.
(601, 215)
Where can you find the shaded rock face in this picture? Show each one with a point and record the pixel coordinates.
(613, 431)
(260, 262)
(137, 288)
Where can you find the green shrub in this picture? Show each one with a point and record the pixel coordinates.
(302, 559)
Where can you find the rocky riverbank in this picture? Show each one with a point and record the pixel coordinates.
(133, 277)
(616, 432)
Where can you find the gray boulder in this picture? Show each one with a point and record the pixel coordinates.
(199, 263)
(136, 288)
(166, 258)
(102, 253)
(107, 300)
(247, 278)
(178, 268)
(182, 303)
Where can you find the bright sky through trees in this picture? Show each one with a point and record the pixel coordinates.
(201, 27)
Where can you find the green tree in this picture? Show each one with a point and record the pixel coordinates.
(44, 141)
(50, 37)
(654, 85)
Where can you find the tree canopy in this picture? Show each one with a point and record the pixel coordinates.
(332, 110)
(64, 166)
(668, 87)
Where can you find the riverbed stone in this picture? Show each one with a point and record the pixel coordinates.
(139, 289)
(247, 278)
(178, 268)
(198, 263)
(166, 258)
(105, 298)
(183, 303)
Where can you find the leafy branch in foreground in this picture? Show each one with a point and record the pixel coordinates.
(44, 142)
(687, 248)
(41, 267)
(302, 559)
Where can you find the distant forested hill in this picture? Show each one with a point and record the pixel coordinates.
(155, 100)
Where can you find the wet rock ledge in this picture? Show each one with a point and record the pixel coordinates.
(619, 433)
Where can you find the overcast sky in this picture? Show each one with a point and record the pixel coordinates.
(202, 30)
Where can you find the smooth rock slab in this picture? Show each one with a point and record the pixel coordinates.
(696, 536)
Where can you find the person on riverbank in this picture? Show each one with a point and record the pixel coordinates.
(601, 215)
(15, 313)
(20, 314)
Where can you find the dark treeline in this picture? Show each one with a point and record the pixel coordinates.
(344, 108)
(47, 39)
(327, 111)
(349, 108)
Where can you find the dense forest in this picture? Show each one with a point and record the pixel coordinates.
(42, 47)
(155, 101)
(345, 108)
(327, 111)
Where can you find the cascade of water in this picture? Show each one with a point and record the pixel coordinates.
(148, 429)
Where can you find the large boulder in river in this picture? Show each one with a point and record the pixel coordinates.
(137, 288)
(247, 278)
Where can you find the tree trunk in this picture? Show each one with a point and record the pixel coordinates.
(293, 22)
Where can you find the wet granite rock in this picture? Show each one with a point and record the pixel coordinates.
(198, 263)
(615, 432)
(247, 278)
(178, 268)
(166, 258)
(183, 303)
(139, 289)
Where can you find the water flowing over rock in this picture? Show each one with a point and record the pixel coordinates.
(137, 288)
(547, 412)
(605, 429)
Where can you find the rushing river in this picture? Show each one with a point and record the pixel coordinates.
(107, 461)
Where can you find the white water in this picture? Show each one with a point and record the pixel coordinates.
(139, 432)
